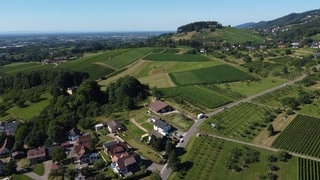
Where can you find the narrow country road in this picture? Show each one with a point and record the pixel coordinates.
(165, 172)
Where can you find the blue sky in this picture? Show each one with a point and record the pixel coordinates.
(138, 15)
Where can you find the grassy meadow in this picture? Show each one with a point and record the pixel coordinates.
(30, 110)
(23, 67)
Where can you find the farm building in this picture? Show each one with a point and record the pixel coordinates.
(160, 107)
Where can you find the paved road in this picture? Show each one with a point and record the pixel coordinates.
(165, 172)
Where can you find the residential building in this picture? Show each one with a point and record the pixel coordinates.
(161, 126)
(115, 127)
(37, 155)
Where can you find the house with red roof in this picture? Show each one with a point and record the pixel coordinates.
(160, 107)
(37, 155)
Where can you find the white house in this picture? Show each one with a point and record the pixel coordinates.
(161, 126)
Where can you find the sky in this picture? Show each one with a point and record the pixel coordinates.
(138, 15)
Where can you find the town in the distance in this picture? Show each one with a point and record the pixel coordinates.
(207, 101)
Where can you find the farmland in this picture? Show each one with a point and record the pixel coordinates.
(206, 158)
(243, 122)
(176, 57)
(308, 169)
(196, 95)
(23, 67)
(301, 136)
(210, 75)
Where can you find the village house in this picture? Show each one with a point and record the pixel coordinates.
(10, 128)
(37, 155)
(82, 149)
(115, 127)
(160, 107)
(98, 127)
(161, 126)
(122, 161)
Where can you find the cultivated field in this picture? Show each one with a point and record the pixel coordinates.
(309, 169)
(301, 136)
(196, 95)
(176, 57)
(211, 75)
(207, 158)
(23, 67)
(248, 88)
(244, 121)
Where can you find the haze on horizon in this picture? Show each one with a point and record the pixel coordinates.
(141, 15)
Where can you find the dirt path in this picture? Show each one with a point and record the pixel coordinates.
(103, 65)
(138, 125)
(279, 124)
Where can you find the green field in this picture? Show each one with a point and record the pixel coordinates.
(210, 75)
(274, 98)
(301, 136)
(311, 109)
(29, 111)
(234, 35)
(23, 67)
(196, 95)
(308, 169)
(176, 57)
(206, 158)
(244, 121)
(248, 88)
(127, 58)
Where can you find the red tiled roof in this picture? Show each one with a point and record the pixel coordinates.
(36, 153)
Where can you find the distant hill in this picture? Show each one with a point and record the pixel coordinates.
(294, 26)
(209, 31)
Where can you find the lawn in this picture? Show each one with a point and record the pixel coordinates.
(212, 75)
(248, 88)
(21, 177)
(244, 121)
(206, 158)
(196, 95)
(30, 110)
(179, 121)
(176, 57)
(38, 169)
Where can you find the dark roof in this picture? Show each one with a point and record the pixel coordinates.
(8, 144)
(36, 153)
(161, 123)
(84, 140)
(10, 127)
(158, 105)
(115, 125)
(118, 148)
(74, 132)
(126, 161)
(156, 134)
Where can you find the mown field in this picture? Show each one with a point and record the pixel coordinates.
(244, 121)
(176, 57)
(301, 136)
(207, 158)
(196, 95)
(234, 35)
(211, 75)
(311, 109)
(308, 169)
